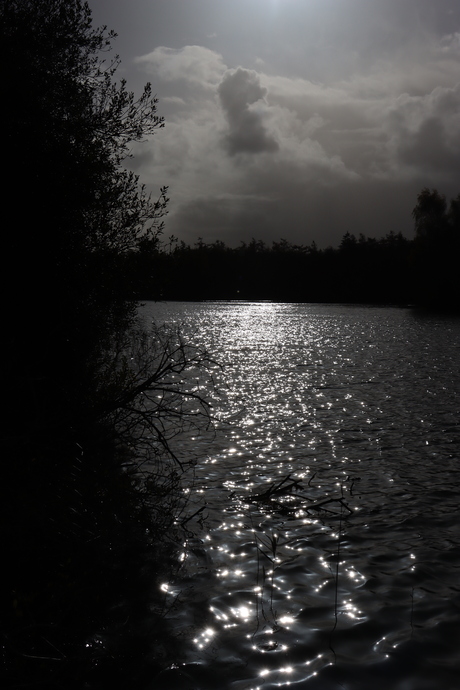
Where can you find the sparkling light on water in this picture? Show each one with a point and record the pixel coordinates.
(320, 580)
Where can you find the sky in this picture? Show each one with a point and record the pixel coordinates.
(294, 119)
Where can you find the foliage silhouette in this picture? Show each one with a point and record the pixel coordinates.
(360, 270)
(390, 270)
(437, 250)
(68, 128)
(90, 481)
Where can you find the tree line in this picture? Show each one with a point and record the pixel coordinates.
(389, 270)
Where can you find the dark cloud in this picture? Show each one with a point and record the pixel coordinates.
(429, 148)
(239, 91)
(295, 119)
(425, 132)
(215, 217)
(305, 213)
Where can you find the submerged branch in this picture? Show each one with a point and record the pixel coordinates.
(286, 488)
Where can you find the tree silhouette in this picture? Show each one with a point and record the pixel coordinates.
(74, 208)
(76, 522)
(436, 250)
(429, 214)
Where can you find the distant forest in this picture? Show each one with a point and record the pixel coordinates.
(391, 270)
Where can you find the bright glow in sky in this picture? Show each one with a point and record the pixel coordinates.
(301, 120)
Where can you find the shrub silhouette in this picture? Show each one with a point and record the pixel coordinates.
(83, 519)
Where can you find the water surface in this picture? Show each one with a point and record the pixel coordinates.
(350, 579)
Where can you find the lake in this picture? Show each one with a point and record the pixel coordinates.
(329, 552)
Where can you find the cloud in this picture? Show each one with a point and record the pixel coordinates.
(450, 44)
(218, 215)
(256, 152)
(174, 100)
(243, 100)
(424, 131)
(194, 64)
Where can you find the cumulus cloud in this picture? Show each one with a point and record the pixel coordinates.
(243, 100)
(424, 131)
(267, 153)
(450, 44)
(194, 64)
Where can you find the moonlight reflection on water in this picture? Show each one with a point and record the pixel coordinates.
(331, 556)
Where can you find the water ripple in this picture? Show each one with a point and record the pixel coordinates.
(360, 408)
